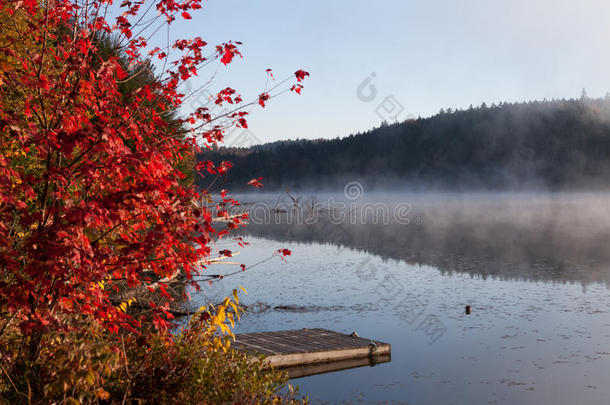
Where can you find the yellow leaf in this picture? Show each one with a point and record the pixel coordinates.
(90, 377)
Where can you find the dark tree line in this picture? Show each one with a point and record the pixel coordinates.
(556, 145)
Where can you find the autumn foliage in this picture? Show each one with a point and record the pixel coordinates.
(94, 158)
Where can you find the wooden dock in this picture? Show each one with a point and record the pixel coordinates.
(306, 352)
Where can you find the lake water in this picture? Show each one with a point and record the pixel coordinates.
(535, 269)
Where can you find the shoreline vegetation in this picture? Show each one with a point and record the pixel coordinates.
(556, 145)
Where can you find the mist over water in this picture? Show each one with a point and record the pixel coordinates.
(531, 236)
(401, 267)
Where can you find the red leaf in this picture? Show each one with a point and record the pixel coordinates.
(256, 182)
(300, 74)
(262, 98)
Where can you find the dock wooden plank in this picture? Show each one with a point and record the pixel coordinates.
(293, 348)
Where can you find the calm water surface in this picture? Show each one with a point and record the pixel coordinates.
(534, 269)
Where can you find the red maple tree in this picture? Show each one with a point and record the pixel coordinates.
(92, 158)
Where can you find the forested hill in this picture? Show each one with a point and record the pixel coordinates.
(557, 145)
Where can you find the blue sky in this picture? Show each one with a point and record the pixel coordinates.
(426, 54)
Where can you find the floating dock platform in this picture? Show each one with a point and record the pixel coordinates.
(305, 352)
